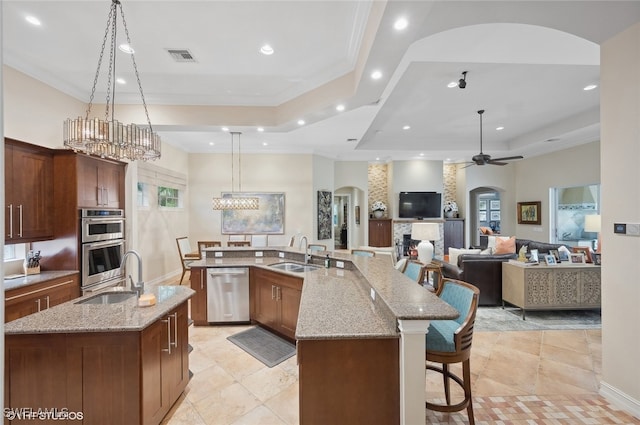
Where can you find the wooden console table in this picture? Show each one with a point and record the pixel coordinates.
(544, 287)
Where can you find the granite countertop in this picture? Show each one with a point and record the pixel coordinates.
(124, 316)
(336, 302)
(33, 279)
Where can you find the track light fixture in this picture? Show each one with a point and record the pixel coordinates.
(462, 82)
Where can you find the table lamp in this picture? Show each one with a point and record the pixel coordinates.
(425, 233)
(592, 223)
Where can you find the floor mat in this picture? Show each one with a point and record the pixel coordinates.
(270, 349)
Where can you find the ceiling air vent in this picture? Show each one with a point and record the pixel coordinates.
(181, 55)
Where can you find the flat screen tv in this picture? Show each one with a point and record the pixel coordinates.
(420, 205)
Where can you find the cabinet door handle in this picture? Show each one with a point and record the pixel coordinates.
(168, 322)
(106, 191)
(273, 288)
(10, 207)
(278, 293)
(20, 208)
(38, 304)
(175, 330)
(47, 298)
(202, 280)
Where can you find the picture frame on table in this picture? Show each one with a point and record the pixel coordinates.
(550, 260)
(533, 256)
(585, 250)
(482, 205)
(494, 204)
(576, 258)
(556, 254)
(529, 212)
(597, 258)
(563, 255)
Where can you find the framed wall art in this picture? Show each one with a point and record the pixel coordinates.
(529, 212)
(268, 219)
(482, 205)
(495, 215)
(584, 250)
(324, 214)
(494, 204)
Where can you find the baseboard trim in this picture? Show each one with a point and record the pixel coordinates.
(620, 399)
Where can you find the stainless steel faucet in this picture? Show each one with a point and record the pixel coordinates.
(306, 248)
(139, 286)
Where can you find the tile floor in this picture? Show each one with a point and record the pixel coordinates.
(518, 377)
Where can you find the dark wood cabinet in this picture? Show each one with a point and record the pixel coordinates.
(380, 232)
(110, 377)
(37, 297)
(100, 183)
(28, 192)
(198, 301)
(453, 229)
(275, 300)
(164, 359)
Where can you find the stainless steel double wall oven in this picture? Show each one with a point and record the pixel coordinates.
(102, 241)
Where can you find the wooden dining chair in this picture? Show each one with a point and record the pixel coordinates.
(313, 247)
(414, 270)
(363, 252)
(449, 342)
(187, 256)
(207, 244)
(238, 243)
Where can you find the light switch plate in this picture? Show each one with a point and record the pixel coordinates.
(340, 264)
(281, 254)
(218, 254)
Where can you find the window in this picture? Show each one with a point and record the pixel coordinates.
(9, 252)
(169, 197)
(143, 194)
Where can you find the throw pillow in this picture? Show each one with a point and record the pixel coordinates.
(505, 246)
(455, 252)
(486, 230)
(491, 242)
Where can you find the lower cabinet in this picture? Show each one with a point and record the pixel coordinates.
(106, 377)
(41, 296)
(199, 299)
(165, 364)
(275, 300)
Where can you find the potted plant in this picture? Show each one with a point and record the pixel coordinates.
(378, 208)
(450, 209)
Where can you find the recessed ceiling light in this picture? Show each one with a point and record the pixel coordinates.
(33, 20)
(225, 128)
(260, 129)
(266, 50)
(590, 87)
(421, 153)
(406, 127)
(126, 49)
(452, 84)
(401, 24)
(376, 75)
(265, 144)
(340, 108)
(377, 158)
(300, 122)
(500, 128)
(211, 143)
(121, 81)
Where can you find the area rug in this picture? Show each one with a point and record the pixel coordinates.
(270, 349)
(510, 319)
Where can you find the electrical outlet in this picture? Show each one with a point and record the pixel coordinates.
(218, 254)
(281, 254)
(633, 229)
(373, 294)
(340, 264)
(258, 253)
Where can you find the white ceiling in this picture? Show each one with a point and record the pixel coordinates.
(527, 64)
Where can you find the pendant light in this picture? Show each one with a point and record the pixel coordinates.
(235, 200)
(110, 138)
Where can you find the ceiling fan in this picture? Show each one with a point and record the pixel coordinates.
(483, 158)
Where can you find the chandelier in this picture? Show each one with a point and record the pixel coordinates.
(235, 200)
(110, 138)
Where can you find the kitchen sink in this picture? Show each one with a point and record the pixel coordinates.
(108, 298)
(295, 267)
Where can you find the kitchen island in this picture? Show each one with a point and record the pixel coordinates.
(103, 363)
(359, 330)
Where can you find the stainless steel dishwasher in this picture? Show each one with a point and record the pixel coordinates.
(228, 295)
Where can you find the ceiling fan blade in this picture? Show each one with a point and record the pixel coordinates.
(508, 158)
(492, 162)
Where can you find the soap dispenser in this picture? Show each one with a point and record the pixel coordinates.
(327, 262)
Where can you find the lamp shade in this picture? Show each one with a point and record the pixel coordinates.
(592, 223)
(425, 231)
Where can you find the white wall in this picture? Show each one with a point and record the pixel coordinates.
(414, 176)
(620, 174)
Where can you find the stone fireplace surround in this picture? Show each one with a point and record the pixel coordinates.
(403, 227)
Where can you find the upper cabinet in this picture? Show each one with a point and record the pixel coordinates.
(28, 192)
(100, 183)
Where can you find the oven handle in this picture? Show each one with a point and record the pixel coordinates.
(103, 219)
(111, 242)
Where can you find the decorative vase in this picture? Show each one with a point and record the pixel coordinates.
(449, 214)
(378, 214)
